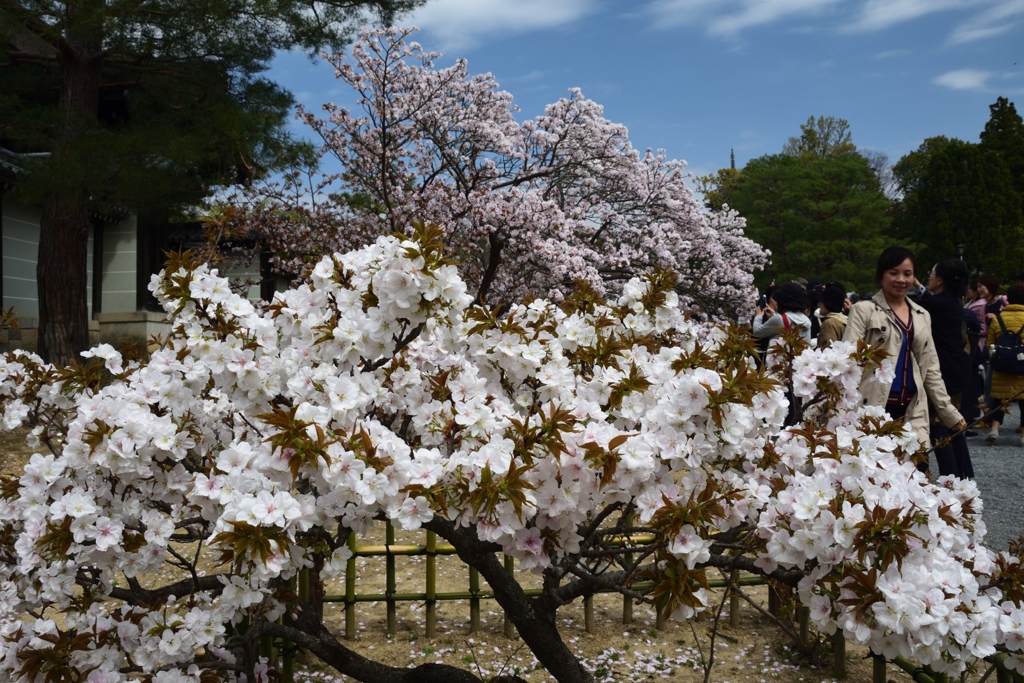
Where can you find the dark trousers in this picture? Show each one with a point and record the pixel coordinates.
(969, 407)
(998, 415)
(953, 458)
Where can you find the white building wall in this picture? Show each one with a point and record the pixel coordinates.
(120, 241)
(246, 273)
(20, 255)
(20, 228)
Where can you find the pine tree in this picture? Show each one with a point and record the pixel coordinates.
(821, 216)
(958, 193)
(1004, 135)
(143, 104)
(821, 137)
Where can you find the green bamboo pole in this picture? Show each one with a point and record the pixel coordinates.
(304, 585)
(773, 601)
(877, 669)
(1003, 676)
(431, 584)
(474, 600)
(405, 549)
(918, 674)
(267, 649)
(412, 549)
(302, 656)
(627, 602)
(839, 654)
(350, 589)
(804, 617)
(489, 595)
(588, 615)
(734, 601)
(999, 659)
(510, 569)
(390, 583)
(288, 657)
(287, 646)
(739, 581)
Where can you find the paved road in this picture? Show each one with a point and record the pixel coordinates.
(999, 471)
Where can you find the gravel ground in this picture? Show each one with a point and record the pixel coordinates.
(999, 471)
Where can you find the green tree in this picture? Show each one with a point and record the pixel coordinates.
(144, 104)
(823, 136)
(1004, 135)
(955, 194)
(821, 216)
(910, 170)
(718, 187)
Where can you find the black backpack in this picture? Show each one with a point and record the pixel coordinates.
(1008, 352)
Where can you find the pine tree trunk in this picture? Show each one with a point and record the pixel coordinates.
(64, 225)
(61, 278)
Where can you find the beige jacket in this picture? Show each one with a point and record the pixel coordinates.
(832, 328)
(873, 321)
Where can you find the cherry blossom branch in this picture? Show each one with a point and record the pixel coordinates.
(307, 632)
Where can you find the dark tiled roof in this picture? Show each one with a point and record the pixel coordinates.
(8, 164)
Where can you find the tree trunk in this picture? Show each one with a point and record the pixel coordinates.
(534, 618)
(496, 244)
(307, 631)
(61, 278)
(64, 225)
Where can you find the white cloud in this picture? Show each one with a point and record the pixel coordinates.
(890, 54)
(534, 75)
(729, 17)
(1002, 17)
(676, 12)
(465, 23)
(880, 14)
(964, 79)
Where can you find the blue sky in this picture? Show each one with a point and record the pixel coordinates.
(698, 77)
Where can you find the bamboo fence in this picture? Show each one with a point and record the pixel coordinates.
(431, 549)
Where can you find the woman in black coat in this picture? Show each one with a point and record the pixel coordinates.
(947, 283)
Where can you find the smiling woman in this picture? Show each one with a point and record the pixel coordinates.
(903, 329)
